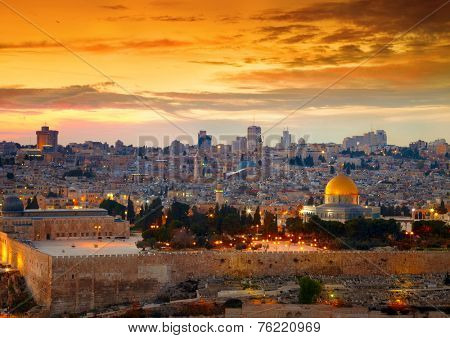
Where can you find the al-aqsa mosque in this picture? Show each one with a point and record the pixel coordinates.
(341, 202)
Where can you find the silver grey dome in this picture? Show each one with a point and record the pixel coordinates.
(12, 204)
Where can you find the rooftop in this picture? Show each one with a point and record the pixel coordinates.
(81, 247)
(94, 212)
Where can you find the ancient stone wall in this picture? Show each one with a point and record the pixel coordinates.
(35, 266)
(81, 283)
(88, 282)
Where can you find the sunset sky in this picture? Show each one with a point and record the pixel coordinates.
(219, 65)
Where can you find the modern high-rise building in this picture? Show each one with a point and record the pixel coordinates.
(254, 139)
(239, 145)
(8, 148)
(286, 139)
(204, 140)
(47, 138)
(367, 142)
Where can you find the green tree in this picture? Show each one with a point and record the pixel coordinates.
(114, 208)
(178, 212)
(147, 234)
(427, 228)
(131, 215)
(231, 223)
(32, 203)
(294, 225)
(309, 290)
(246, 220)
(441, 209)
(309, 161)
(257, 217)
(270, 223)
(199, 223)
(166, 231)
(182, 238)
(150, 214)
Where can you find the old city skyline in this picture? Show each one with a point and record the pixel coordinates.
(187, 160)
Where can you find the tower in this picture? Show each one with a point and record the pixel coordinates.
(254, 139)
(197, 167)
(219, 194)
(204, 140)
(46, 138)
(286, 139)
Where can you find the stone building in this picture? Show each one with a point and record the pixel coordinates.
(50, 224)
(341, 202)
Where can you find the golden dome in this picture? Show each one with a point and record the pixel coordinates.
(341, 185)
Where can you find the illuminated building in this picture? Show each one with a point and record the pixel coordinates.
(341, 202)
(219, 194)
(50, 224)
(368, 142)
(47, 138)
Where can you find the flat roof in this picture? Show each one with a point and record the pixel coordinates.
(65, 210)
(57, 213)
(81, 247)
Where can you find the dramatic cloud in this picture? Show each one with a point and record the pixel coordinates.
(76, 97)
(100, 96)
(168, 18)
(271, 33)
(377, 16)
(346, 35)
(298, 38)
(217, 63)
(177, 18)
(409, 76)
(211, 65)
(102, 47)
(134, 45)
(28, 45)
(114, 7)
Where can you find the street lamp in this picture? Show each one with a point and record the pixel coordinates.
(410, 233)
(98, 228)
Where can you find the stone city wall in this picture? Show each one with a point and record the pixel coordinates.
(35, 266)
(75, 284)
(87, 282)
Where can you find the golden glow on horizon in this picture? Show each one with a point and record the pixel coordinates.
(201, 61)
